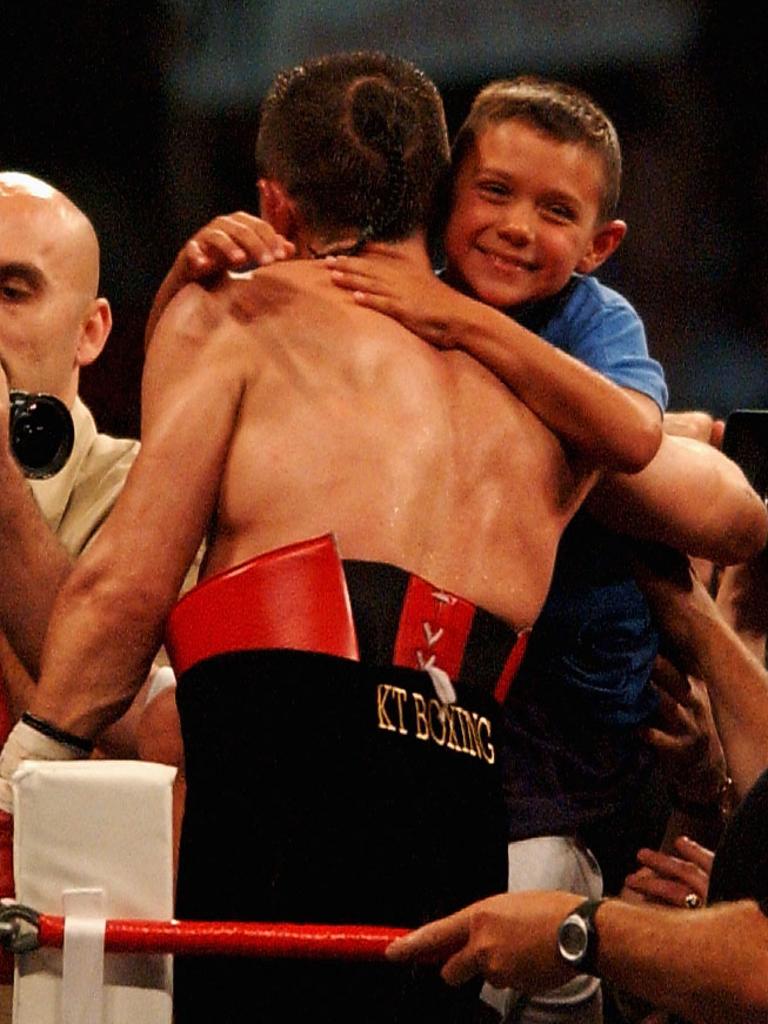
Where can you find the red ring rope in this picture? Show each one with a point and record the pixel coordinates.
(316, 941)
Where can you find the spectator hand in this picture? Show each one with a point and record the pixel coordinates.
(509, 940)
(668, 879)
(686, 738)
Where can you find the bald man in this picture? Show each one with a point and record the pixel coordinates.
(52, 323)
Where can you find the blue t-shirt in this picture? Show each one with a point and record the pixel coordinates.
(595, 324)
(583, 683)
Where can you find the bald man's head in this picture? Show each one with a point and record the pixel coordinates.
(70, 228)
(51, 321)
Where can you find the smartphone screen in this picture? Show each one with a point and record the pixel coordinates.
(746, 442)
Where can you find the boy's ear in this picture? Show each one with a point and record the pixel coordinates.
(605, 241)
(277, 208)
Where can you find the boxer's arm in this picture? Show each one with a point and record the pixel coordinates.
(691, 497)
(614, 426)
(108, 618)
(711, 965)
(32, 561)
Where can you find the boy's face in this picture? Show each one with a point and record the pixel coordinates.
(525, 215)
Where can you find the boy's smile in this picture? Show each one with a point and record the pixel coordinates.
(524, 216)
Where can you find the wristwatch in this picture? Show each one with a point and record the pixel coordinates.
(577, 938)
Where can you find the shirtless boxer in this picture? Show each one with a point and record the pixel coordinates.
(276, 410)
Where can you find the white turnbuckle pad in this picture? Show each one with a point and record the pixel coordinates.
(84, 825)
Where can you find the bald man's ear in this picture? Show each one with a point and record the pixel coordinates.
(94, 332)
(277, 208)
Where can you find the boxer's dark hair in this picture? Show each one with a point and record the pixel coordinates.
(560, 111)
(359, 141)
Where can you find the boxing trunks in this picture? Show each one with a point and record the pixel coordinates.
(330, 779)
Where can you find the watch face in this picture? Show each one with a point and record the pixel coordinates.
(573, 938)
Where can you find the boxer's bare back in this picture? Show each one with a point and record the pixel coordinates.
(347, 423)
(274, 409)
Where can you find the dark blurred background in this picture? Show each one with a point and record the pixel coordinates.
(145, 114)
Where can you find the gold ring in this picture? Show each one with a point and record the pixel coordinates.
(692, 901)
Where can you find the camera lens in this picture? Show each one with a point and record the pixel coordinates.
(41, 433)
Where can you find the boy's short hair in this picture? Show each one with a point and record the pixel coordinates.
(561, 111)
(359, 140)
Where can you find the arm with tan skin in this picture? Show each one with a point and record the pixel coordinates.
(108, 620)
(742, 588)
(691, 497)
(742, 596)
(684, 733)
(33, 563)
(707, 647)
(614, 426)
(711, 966)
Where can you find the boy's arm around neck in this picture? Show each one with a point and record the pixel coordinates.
(616, 428)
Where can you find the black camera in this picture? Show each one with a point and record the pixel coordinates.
(42, 433)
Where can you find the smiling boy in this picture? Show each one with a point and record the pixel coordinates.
(528, 208)
(536, 170)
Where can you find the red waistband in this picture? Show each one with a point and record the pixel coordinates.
(297, 598)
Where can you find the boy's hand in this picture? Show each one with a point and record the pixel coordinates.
(231, 242)
(394, 284)
(235, 241)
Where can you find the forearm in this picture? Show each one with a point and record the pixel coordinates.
(690, 497)
(710, 965)
(105, 629)
(738, 688)
(741, 597)
(617, 428)
(33, 566)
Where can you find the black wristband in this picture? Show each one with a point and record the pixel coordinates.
(59, 735)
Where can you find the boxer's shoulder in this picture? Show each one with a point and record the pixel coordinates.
(273, 291)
